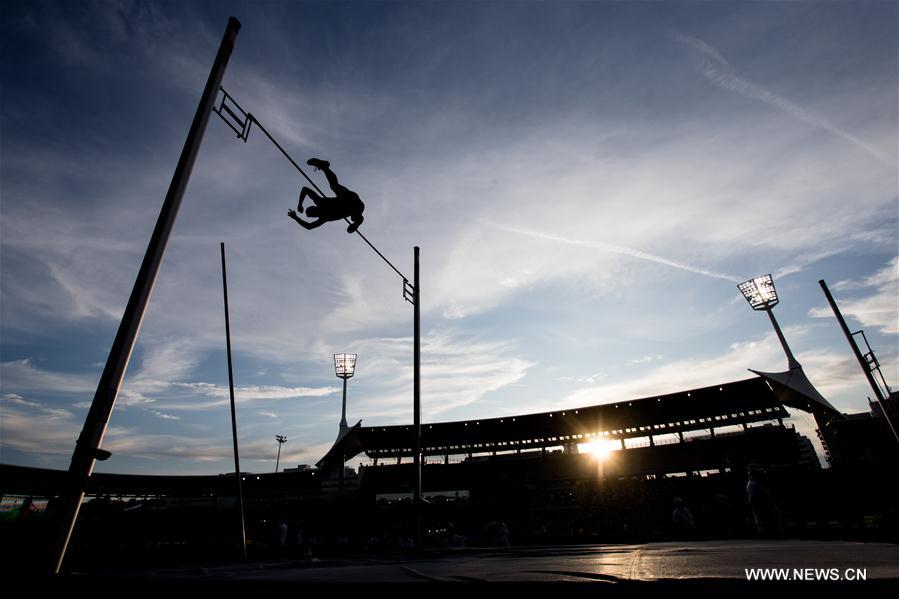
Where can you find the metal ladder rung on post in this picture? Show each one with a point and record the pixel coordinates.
(871, 362)
(239, 123)
(871, 359)
(408, 292)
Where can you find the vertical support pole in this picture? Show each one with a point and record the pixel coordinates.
(91, 437)
(343, 424)
(243, 528)
(278, 459)
(416, 394)
(858, 356)
(791, 359)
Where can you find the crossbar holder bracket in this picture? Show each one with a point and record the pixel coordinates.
(234, 116)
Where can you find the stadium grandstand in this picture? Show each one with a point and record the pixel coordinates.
(739, 404)
(601, 473)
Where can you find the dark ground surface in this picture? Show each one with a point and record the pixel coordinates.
(702, 567)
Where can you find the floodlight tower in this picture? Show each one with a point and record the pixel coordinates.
(281, 439)
(345, 368)
(761, 295)
(792, 387)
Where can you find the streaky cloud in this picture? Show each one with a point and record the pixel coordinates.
(615, 249)
(716, 69)
(878, 308)
(24, 375)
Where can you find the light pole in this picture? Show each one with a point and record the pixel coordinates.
(792, 387)
(281, 439)
(345, 368)
(761, 295)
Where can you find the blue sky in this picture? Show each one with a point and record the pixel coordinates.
(588, 183)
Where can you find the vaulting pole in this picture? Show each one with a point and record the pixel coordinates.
(87, 448)
(243, 526)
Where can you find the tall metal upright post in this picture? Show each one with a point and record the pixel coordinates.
(281, 439)
(87, 448)
(792, 362)
(243, 528)
(344, 368)
(416, 394)
(858, 356)
(343, 423)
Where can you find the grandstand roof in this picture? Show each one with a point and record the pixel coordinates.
(793, 389)
(739, 402)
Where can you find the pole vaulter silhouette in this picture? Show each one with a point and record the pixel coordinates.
(344, 204)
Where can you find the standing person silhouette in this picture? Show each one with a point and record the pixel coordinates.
(345, 204)
(765, 515)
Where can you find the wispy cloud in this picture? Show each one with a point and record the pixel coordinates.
(717, 70)
(826, 370)
(879, 309)
(645, 359)
(889, 275)
(591, 379)
(24, 375)
(21, 418)
(18, 400)
(165, 416)
(457, 370)
(616, 249)
(189, 454)
(803, 261)
(247, 393)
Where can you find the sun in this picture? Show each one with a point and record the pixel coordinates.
(600, 448)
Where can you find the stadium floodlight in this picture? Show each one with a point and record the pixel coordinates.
(759, 292)
(761, 295)
(344, 367)
(281, 439)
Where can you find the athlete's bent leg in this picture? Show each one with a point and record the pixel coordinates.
(304, 193)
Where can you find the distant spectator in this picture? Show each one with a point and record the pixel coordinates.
(498, 533)
(765, 515)
(682, 518)
(282, 533)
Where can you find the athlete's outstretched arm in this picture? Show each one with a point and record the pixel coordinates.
(305, 224)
